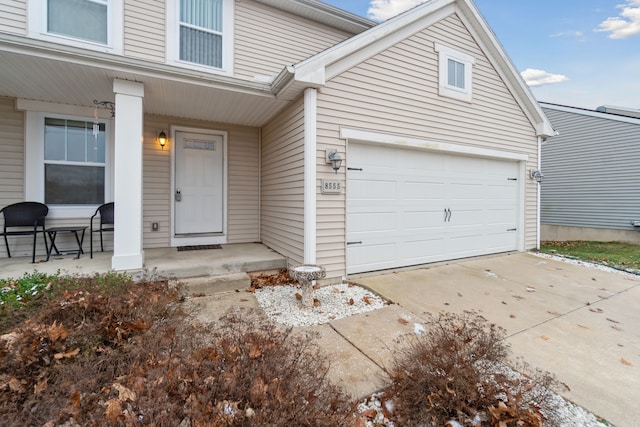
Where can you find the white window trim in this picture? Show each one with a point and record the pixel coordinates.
(37, 13)
(173, 39)
(444, 89)
(34, 160)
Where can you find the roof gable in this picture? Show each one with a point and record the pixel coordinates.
(318, 69)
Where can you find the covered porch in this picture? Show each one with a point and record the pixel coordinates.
(163, 262)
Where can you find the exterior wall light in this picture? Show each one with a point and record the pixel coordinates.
(335, 159)
(162, 139)
(537, 175)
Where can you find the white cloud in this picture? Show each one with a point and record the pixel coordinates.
(381, 10)
(578, 35)
(535, 77)
(626, 24)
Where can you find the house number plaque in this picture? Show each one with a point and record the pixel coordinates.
(331, 186)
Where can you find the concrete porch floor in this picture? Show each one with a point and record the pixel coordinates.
(165, 262)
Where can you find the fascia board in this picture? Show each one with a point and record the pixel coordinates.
(345, 55)
(492, 47)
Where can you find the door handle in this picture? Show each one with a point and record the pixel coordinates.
(447, 215)
(178, 196)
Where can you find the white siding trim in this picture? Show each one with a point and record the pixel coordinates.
(310, 152)
(415, 143)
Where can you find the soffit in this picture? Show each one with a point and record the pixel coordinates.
(172, 94)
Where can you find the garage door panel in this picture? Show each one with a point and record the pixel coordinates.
(433, 207)
(372, 222)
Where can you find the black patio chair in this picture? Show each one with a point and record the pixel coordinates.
(24, 219)
(106, 223)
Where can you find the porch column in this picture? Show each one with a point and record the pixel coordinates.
(127, 237)
(310, 178)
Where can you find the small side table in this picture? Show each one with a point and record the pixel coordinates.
(75, 229)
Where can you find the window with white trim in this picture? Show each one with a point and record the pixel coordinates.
(74, 162)
(92, 24)
(68, 159)
(455, 73)
(200, 34)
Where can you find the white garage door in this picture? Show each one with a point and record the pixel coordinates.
(408, 207)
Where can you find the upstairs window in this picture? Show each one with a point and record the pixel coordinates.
(89, 24)
(455, 73)
(74, 162)
(81, 19)
(200, 34)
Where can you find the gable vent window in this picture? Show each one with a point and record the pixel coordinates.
(455, 73)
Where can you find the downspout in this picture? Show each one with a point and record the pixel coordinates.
(310, 154)
(538, 194)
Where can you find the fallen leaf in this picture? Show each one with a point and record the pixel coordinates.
(336, 290)
(69, 354)
(582, 326)
(402, 321)
(251, 290)
(332, 317)
(369, 413)
(351, 301)
(531, 289)
(459, 294)
(113, 411)
(545, 337)
(625, 362)
(40, 387)
(367, 300)
(316, 302)
(513, 316)
(298, 296)
(596, 310)
(124, 393)
(518, 297)
(16, 385)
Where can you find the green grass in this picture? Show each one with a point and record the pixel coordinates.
(21, 297)
(624, 256)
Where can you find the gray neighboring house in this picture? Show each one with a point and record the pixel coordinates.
(591, 171)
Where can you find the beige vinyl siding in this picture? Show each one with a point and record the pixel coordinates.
(13, 16)
(268, 39)
(243, 178)
(283, 183)
(396, 92)
(11, 164)
(144, 29)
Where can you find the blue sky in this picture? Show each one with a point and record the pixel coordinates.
(582, 53)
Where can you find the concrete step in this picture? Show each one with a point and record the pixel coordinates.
(211, 285)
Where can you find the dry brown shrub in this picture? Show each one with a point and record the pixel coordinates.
(457, 370)
(131, 356)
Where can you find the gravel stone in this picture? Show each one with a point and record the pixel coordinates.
(280, 304)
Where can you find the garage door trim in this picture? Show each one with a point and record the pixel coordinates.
(399, 141)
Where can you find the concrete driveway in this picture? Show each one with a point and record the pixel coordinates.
(580, 323)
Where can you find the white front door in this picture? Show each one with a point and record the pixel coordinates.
(199, 183)
(409, 207)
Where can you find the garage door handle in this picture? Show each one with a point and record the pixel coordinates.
(354, 243)
(355, 169)
(447, 215)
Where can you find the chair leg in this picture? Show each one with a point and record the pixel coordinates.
(6, 243)
(33, 253)
(91, 240)
(101, 244)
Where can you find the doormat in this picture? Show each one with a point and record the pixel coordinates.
(198, 247)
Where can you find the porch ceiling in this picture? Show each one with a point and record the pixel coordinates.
(77, 79)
